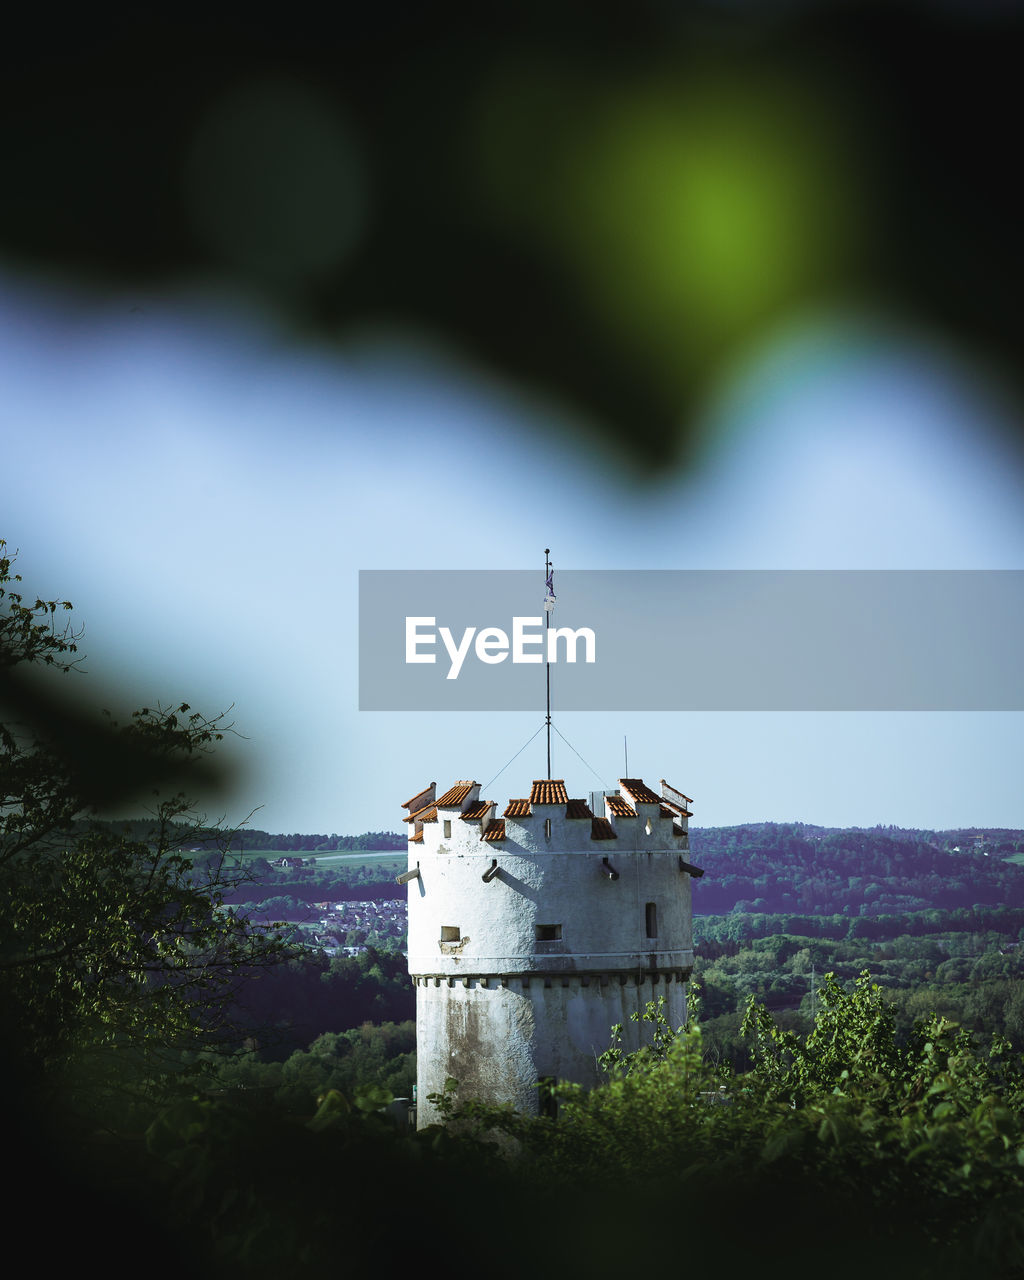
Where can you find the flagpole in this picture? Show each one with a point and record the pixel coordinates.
(547, 652)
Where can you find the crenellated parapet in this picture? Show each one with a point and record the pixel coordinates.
(549, 886)
(548, 819)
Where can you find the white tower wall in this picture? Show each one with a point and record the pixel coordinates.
(531, 935)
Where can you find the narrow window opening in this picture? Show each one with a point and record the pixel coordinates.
(549, 932)
(652, 919)
(447, 828)
(647, 828)
(547, 828)
(450, 933)
(547, 1097)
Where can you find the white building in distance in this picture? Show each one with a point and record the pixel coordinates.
(531, 934)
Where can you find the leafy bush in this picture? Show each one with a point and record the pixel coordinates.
(880, 1151)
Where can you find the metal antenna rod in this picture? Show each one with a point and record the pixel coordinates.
(547, 653)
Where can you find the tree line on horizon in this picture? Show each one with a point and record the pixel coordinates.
(789, 869)
(246, 839)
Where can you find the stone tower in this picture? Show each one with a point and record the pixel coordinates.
(532, 933)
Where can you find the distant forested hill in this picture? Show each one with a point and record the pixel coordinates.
(796, 868)
(253, 838)
(775, 868)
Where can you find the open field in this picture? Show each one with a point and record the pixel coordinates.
(379, 859)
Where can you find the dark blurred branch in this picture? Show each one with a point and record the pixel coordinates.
(430, 172)
(101, 764)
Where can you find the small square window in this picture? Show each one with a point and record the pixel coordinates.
(447, 828)
(450, 933)
(549, 932)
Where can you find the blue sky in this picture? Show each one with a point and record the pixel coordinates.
(205, 491)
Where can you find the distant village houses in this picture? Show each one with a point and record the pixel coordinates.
(343, 922)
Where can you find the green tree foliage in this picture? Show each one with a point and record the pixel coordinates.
(114, 953)
(255, 838)
(849, 1152)
(848, 1145)
(287, 1007)
(348, 1061)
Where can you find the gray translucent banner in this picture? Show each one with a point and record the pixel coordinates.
(700, 640)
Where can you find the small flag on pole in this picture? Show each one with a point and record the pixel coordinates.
(549, 599)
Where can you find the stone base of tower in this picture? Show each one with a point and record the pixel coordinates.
(499, 1036)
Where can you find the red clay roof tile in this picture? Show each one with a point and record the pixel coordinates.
(517, 809)
(423, 815)
(602, 829)
(619, 807)
(495, 830)
(638, 791)
(578, 809)
(548, 791)
(455, 795)
(417, 836)
(477, 811)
